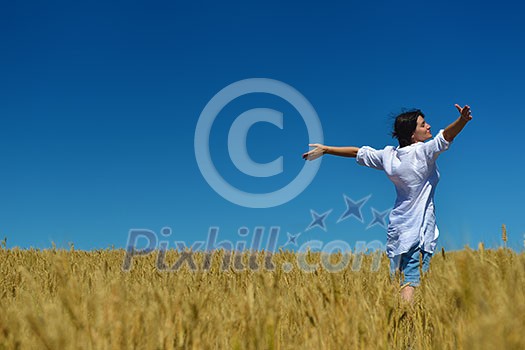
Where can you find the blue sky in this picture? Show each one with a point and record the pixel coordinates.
(99, 104)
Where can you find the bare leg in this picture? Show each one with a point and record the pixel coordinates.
(407, 293)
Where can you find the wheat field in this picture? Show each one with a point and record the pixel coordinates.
(67, 299)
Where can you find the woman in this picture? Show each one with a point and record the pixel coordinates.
(412, 229)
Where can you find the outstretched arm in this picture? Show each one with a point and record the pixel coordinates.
(455, 128)
(321, 150)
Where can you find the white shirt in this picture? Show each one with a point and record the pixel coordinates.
(415, 175)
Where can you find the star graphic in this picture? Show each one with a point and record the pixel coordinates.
(379, 218)
(353, 208)
(292, 239)
(318, 220)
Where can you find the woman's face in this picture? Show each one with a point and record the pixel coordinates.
(422, 132)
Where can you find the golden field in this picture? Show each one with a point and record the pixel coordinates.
(60, 299)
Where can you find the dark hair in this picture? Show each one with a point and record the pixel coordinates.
(405, 125)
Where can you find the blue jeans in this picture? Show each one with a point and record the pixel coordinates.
(408, 265)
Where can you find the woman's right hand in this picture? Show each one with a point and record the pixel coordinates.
(464, 112)
(317, 152)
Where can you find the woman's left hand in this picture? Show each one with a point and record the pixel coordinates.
(317, 152)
